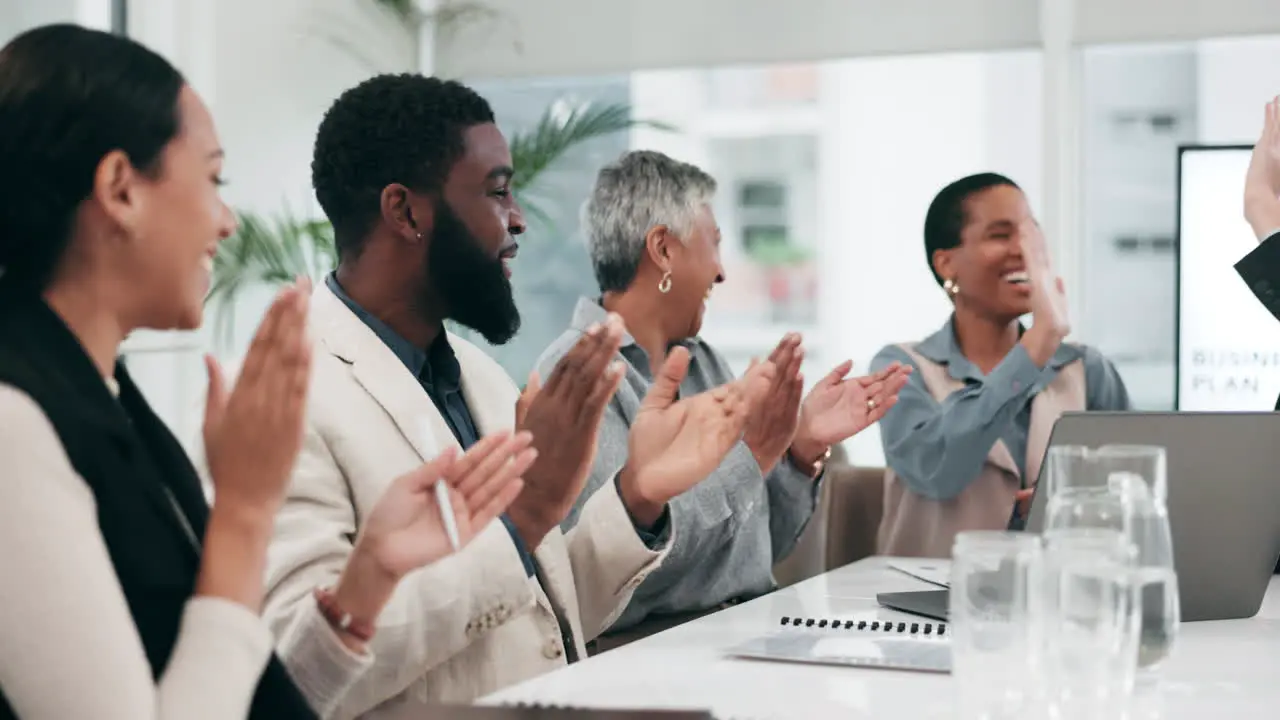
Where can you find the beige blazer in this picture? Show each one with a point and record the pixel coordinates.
(472, 623)
(917, 526)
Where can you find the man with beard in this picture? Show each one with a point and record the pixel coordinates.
(415, 177)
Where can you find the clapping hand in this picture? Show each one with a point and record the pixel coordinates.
(404, 531)
(1050, 323)
(564, 417)
(1262, 181)
(1048, 294)
(674, 444)
(840, 407)
(772, 426)
(253, 433)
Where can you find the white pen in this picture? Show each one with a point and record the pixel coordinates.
(443, 502)
(446, 514)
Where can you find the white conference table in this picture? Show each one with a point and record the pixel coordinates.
(1227, 669)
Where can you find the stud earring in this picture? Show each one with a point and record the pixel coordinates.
(664, 285)
(951, 287)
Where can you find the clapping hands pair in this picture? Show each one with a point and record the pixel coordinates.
(672, 444)
(837, 408)
(254, 431)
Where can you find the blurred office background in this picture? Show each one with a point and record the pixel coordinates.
(829, 126)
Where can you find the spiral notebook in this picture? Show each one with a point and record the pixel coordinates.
(550, 712)
(874, 643)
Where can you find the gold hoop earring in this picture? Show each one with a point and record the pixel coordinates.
(664, 285)
(951, 287)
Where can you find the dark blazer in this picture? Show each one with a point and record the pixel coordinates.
(1260, 269)
(151, 510)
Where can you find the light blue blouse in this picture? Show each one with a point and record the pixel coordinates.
(939, 448)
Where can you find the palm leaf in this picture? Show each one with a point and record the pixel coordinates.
(267, 252)
(557, 132)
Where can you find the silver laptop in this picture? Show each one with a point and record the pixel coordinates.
(1224, 498)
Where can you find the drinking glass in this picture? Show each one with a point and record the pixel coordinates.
(1147, 462)
(994, 610)
(1145, 489)
(1148, 528)
(1122, 488)
(1091, 623)
(1097, 507)
(1070, 466)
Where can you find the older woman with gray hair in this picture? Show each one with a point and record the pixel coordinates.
(655, 248)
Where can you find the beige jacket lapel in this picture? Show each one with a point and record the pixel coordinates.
(380, 373)
(1003, 459)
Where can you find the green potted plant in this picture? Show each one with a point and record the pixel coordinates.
(266, 251)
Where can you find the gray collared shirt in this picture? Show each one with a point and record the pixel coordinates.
(939, 448)
(730, 528)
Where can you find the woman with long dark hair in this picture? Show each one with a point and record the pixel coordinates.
(124, 596)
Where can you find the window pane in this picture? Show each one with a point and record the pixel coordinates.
(1140, 103)
(552, 270)
(825, 171)
(17, 16)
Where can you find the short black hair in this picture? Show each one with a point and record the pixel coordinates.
(405, 129)
(946, 216)
(68, 97)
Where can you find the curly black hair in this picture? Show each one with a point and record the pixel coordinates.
(947, 216)
(405, 129)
